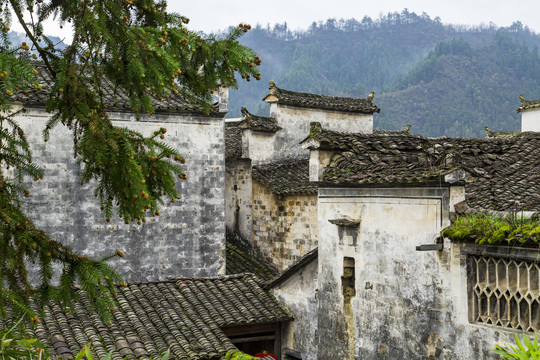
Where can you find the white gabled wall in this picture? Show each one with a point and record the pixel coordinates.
(530, 120)
(295, 124)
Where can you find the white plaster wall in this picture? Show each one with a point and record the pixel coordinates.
(299, 294)
(295, 121)
(408, 304)
(188, 239)
(258, 146)
(530, 120)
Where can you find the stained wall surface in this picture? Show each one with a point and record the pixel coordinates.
(188, 239)
(238, 202)
(402, 303)
(299, 292)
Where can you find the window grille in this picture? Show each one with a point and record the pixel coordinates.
(504, 292)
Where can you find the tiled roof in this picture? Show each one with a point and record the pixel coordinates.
(183, 314)
(286, 177)
(498, 173)
(233, 141)
(259, 123)
(405, 131)
(325, 102)
(528, 104)
(238, 262)
(293, 269)
(114, 98)
(498, 134)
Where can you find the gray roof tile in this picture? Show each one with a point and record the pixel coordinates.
(237, 261)
(233, 141)
(503, 172)
(286, 177)
(184, 314)
(114, 98)
(258, 123)
(325, 102)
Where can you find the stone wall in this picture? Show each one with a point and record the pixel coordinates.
(188, 239)
(299, 293)
(295, 121)
(238, 190)
(285, 227)
(397, 302)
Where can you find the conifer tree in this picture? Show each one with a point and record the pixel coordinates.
(139, 48)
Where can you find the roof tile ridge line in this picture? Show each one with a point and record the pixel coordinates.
(248, 260)
(95, 322)
(87, 324)
(192, 325)
(285, 91)
(287, 273)
(245, 112)
(135, 301)
(260, 303)
(212, 277)
(130, 304)
(147, 280)
(251, 311)
(282, 161)
(261, 289)
(123, 321)
(164, 323)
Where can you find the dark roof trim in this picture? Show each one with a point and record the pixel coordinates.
(115, 98)
(527, 104)
(293, 269)
(258, 123)
(405, 131)
(324, 102)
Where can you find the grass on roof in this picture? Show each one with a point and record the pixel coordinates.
(493, 229)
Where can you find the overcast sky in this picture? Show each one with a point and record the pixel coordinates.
(213, 15)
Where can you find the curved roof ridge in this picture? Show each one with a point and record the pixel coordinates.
(324, 102)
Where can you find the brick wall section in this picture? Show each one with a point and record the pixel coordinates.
(188, 239)
(284, 228)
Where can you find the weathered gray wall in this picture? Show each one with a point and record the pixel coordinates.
(407, 304)
(299, 293)
(238, 192)
(188, 238)
(284, 227)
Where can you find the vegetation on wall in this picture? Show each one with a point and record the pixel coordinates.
(494, 229)
(525, 350)
(134, 47)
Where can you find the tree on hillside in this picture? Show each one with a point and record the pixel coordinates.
(138, 47)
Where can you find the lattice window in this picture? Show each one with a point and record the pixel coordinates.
(504, 292)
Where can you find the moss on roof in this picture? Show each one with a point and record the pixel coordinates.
(238, 261)
(527, 104)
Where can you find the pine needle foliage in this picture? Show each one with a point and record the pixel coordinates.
(131, 46)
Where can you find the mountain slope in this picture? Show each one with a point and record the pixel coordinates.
(441, 79)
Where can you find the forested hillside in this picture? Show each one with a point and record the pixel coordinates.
(441, 79)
